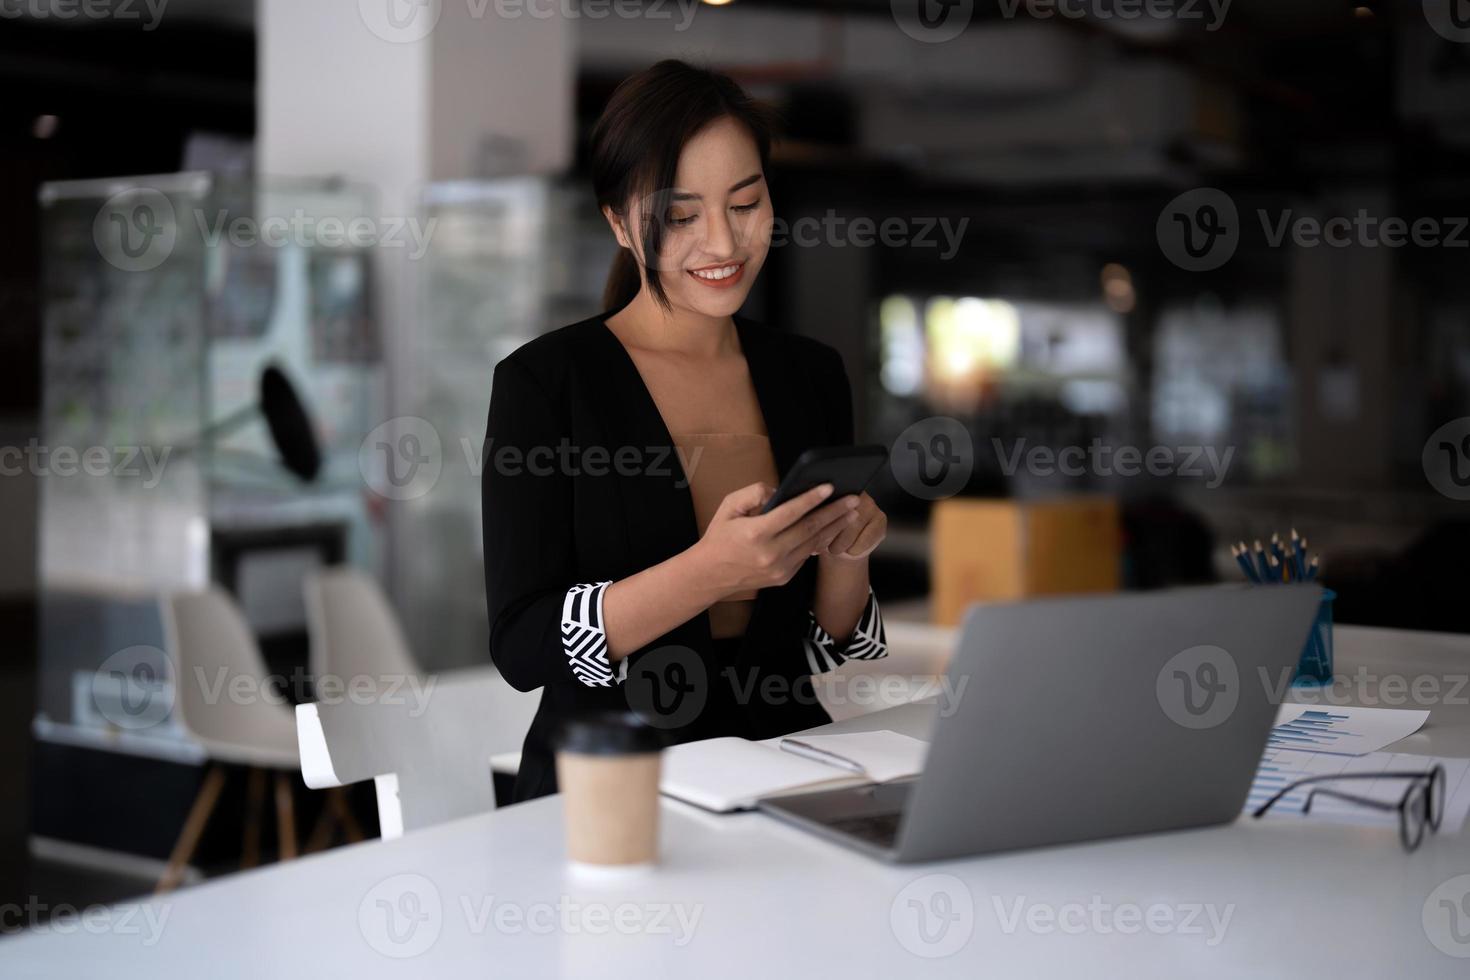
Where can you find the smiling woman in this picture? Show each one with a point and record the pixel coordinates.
(612, 589)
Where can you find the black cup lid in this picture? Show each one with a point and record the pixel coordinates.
(608, 733)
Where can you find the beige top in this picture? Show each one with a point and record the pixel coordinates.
(721, 440)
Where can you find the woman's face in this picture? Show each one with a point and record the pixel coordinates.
(717, 228)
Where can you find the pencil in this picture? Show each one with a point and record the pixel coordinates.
(1245, 563)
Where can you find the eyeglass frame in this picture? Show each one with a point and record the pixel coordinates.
(1434, 796)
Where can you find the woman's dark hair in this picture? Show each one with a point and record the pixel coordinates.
(635, 154)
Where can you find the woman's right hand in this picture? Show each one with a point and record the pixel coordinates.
(745, 549)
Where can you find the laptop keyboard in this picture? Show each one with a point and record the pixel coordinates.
(880, 829)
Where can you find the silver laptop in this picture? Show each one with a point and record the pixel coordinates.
(1084, 718)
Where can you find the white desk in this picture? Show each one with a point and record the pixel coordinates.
(767, 900)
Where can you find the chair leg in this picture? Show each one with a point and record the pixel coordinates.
(285, 817)
(337, 799)
(193, 829)
(322, 831)
(254, 803)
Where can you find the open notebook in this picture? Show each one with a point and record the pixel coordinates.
(724, 774)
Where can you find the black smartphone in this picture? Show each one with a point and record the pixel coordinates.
(847, 468)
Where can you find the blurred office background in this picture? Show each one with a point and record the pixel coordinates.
(1031, 291)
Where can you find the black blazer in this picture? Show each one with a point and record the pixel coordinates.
(562, 507)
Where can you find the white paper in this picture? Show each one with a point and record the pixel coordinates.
(1342, 731)
(1282, 767)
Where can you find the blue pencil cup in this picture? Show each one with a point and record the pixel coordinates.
(1315, 666)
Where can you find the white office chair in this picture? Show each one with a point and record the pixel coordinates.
(354, 631)
(429, 758)
(428, 748)
(210, 648)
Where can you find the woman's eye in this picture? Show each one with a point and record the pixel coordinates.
(744, 208)
(680, 220)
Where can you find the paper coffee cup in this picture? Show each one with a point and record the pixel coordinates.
(607, 768)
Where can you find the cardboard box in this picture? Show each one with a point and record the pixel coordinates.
(1004, 550)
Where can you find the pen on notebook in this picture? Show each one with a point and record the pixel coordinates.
(809, 751)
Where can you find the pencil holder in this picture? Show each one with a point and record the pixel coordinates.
(1315, 666)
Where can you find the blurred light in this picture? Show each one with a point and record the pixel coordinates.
(1084, 396)
(1117, 286)
(902, 371)
(969, 337)
(1363, 13)
(719, 3)
(45, 127)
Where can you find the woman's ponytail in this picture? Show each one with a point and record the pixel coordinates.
(623, 281)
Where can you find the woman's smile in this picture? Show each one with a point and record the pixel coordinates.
(719, 276)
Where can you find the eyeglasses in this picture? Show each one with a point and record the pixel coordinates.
(1421, 806)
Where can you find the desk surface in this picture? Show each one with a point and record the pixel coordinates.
(737, 895)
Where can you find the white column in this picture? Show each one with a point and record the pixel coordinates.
(397, 94)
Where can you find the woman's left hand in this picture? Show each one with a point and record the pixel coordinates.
(868, 527)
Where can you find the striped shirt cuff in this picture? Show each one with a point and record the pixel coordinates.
(584, 640)
(868, 641)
